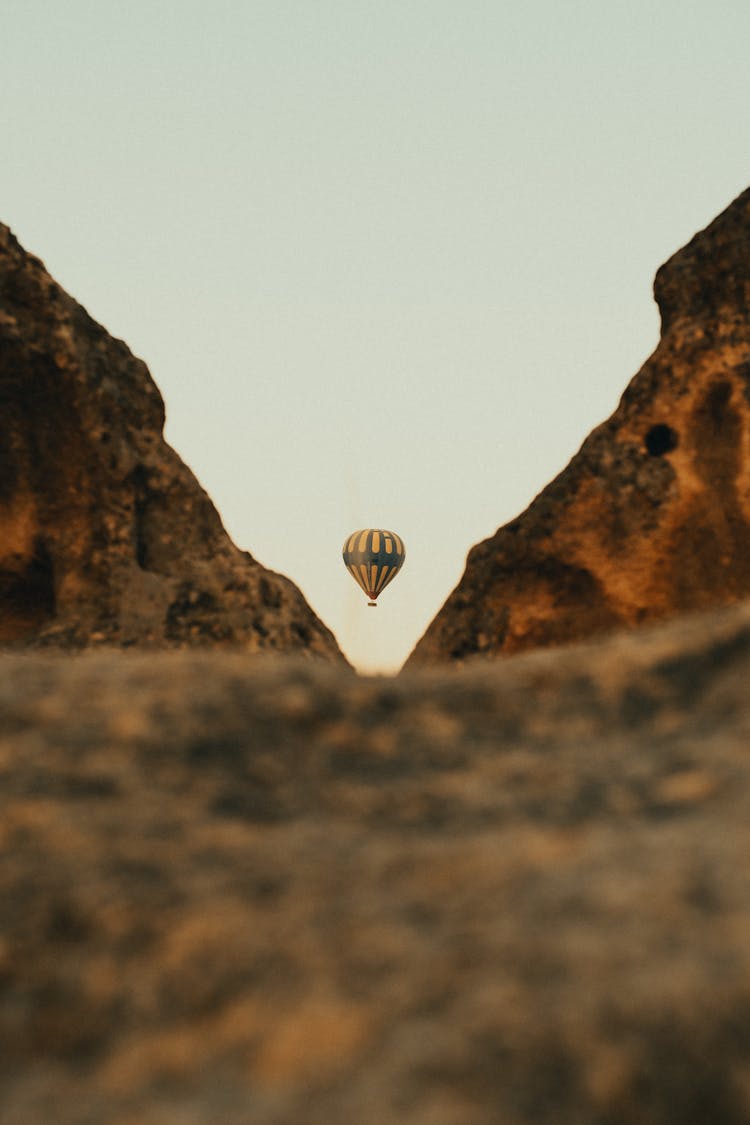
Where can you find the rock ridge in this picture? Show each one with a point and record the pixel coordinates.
(651, 518)
(106, 537)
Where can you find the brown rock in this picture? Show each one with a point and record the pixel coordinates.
(652, 516)
(237, 891)
(106, 537)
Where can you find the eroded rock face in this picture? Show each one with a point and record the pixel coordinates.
(652, 516)
(105, 535)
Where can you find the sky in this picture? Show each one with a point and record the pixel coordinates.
(388, 263)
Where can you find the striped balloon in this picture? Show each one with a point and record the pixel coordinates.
(373, 557)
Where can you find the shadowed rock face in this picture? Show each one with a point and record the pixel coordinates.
(652, 516)
(236, 890)
(105, 535)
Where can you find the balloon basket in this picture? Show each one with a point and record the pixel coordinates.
(373, 605)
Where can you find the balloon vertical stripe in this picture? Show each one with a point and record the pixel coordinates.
(381, 580)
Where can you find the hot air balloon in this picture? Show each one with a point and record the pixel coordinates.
(373, 557)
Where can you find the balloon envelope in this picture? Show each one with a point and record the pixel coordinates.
(373, 557)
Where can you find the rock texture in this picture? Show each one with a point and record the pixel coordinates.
(237, 890)
(652, 516)
(105, 536)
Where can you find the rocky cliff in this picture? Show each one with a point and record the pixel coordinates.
(237, 890)
(652, 516)
(106, 537)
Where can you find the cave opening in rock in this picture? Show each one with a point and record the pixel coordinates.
(661, 439)
(27, 596)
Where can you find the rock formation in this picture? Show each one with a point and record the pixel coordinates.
(652, 516)
(106, 537)
(243, 891)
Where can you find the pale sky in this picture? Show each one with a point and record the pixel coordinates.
(388, 263)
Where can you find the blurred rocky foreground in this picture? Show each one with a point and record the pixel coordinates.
(243, 890)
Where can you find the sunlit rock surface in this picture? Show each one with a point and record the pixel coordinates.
(652, 516)
(106, 537)
(242, 890)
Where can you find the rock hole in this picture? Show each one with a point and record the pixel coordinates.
(140, 511)
(661, 439)
(27, 597)
(141, 545)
